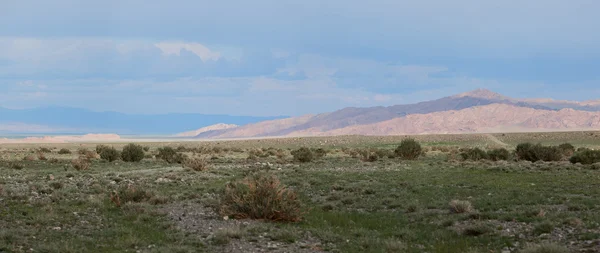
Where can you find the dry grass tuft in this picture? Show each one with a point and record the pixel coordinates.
(460, 206)
(196, 164)
(260, 196)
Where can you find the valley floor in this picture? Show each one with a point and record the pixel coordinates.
(350, 205)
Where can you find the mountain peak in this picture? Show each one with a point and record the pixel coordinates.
(483, 93)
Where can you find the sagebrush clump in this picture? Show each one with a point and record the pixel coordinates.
(81, 163)
(474, 154)
(409, 149)
(64, 151)
(169, 155)
(499, 154)
(260, 196)
(196, 164)
(132, 153)
(587, 156)
(537, 152)
(107, 153)
(303, 155)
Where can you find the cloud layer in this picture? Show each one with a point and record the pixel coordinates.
(270, 57)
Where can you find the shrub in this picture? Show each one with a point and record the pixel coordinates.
(537, 152)
(302, 155)
(132, 153)
(567, 149)
(82, 151)
(260, 196)
(146, 148)
(368, 156)
(474, 154)
(460, 206)
(130, 194)
(109, 153)
(100, 148)
(409, 149)
(81, 163)
(169, 155)
(45, 150)
(586, 157)
(498, 154)
(64, 151)
(543, 228)
(197, 164)
(29, 158)
(42, 157)
(545, 248)
(320, 153)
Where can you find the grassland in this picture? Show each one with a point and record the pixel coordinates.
(350, 205)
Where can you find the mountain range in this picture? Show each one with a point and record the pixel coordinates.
(471, 112)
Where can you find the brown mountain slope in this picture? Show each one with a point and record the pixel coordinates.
(477, 119)
(356, 117)
(220, 126)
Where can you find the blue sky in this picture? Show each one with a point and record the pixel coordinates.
(269, 57)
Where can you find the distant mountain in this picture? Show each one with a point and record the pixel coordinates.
(215, 127)
(74, 120)
(479, 110)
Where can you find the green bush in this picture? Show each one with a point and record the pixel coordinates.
(100, 148)
(303, 155)
(260, 196)
(567, 149)
(170, 155)
(409, 149)
(498, 154)
(586, 157)
(537, 152)
(474, 154)
(132, 153)
(109, 153)
(64, 151)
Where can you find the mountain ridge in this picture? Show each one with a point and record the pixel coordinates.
(353, 117)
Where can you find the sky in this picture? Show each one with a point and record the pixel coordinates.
(270, 57)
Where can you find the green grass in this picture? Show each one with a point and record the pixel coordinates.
(389, 205)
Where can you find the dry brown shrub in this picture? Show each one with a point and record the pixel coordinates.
(460, 206)
(81, 163)
(260, 196)
(196, 164)
(42, 157)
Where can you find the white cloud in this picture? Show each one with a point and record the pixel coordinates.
(174, 48)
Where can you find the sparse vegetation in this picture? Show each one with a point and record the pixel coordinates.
(303, 155)
(132, 153)
(545, 248)
(409, 149)
(344, 204)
